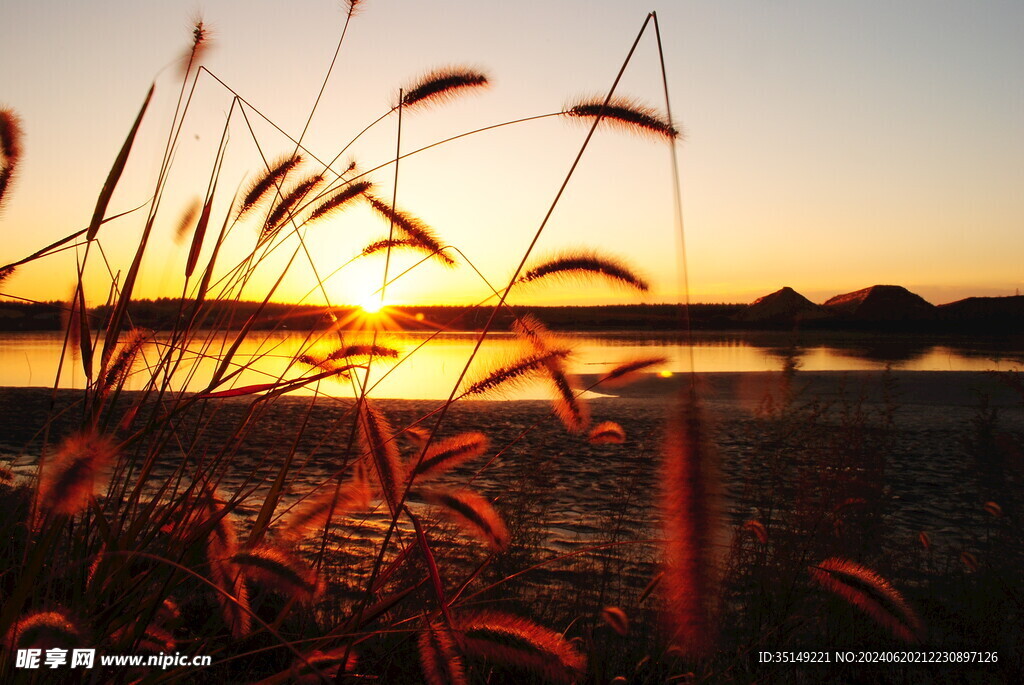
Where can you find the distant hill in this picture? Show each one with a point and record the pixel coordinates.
(785, 306)
(998, 313)
(882, 303)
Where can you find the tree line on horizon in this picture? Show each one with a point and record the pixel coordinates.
(995, 315)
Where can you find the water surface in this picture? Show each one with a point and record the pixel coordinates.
(428, 367)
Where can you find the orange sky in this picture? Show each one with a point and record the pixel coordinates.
(828, 148)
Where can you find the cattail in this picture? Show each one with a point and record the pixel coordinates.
(279, 571)
(687, 502)
(74, 473)
(45, 630)
(289, 202)
(474, 514)
(866, 590)
(339, 200)
(121, 367)
(606, 432)
(521, 643)
(313, 514)
(448, 453)
(626, 373)
(378, 439)
(757, 529)
(261, 185)
(10, 146)
(187, 220)
(513, 372)
(627, 114)
(316, 665)
(439, 657)
(412, 227)
(582, 263)
(616, 619)
(441, 85)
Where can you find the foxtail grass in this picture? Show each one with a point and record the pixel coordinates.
(575, 264)
(606, 432)
(441, 85)
(870, 593)
(689, 513)
(56, 629)
(412, 227)
(187, 220)
(474, 513)
(439, 657)
(445, 454)
(278, 570)
(616, 619)
(516, 642)
(74, 474)
(10, 146)
(627, 114)
(283, 209)
(261, 185)
(339, 200)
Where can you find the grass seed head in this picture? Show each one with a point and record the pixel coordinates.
(627, 114)
(441, 85)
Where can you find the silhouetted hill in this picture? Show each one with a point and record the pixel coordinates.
(990, 313)
(785, 306)
(882, 303)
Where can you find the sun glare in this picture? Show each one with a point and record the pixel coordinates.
(372, 304)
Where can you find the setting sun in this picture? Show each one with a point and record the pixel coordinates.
(372, 304)
(371, 307)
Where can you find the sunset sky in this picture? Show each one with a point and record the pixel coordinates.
(829, 146)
